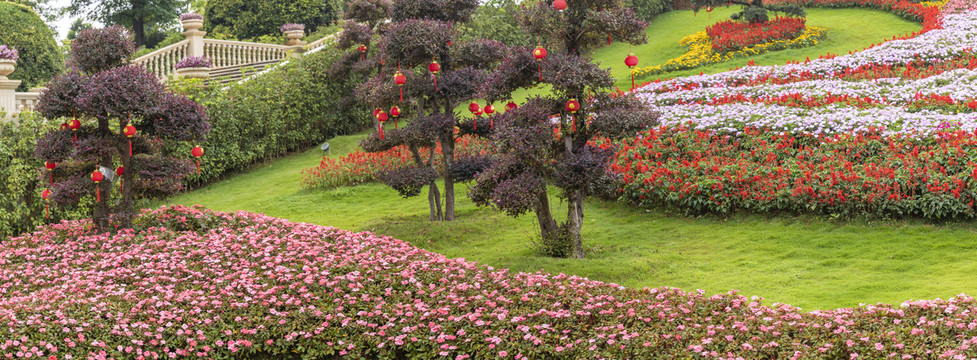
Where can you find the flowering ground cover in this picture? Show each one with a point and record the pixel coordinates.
(735, 35)
(195, 283)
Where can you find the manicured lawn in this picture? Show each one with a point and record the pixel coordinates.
(811, 263)
(847, 32)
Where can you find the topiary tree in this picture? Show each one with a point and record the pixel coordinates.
(248, 19)
(121, 114)
(754, 11)
(40, 57)
(548, 139)
(437, 79)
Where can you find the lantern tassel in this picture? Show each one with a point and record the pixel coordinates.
(47, 212)
(435, 83)
(52, 178)
(198, 166)
(401, 94)
(395, 123)
(540, 72)
(475, 123)
(130, 146)
(491, 124)
(574, 118)
(632, 80)
(381, 131)
(608, 39)
(98, 194)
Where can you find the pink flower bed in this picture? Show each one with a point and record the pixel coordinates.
(193, 283)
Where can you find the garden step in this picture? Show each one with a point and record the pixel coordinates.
(229, 74)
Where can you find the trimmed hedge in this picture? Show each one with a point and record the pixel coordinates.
(291, 108)
(21, 184)
(40, 56)
(649, 9)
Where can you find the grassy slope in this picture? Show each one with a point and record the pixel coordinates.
(804, 262)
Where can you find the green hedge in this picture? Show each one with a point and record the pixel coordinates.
(21, 205)
(291, 108)
(248, 19)
(649, 9)
(40, 57)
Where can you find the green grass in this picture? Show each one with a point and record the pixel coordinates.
(846, 32)
(811, 263)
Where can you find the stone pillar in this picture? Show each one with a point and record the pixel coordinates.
(192, 32)
(296, 51)
(8, 96)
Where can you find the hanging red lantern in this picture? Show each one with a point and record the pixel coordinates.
(376, 112)
(511, 106)
(363, 52)
(64, 126)
(489, 109)
(197, 152)
(382, 118)
(50, 165)
(540, 53)
(560, 5)
(45, 195)
(473, 107)
(434, 68)
(572, 106)
(400, 80)
(130, 131)
(631, 61)
(395, 112)
(97, 177)
(708, 9)
(118, 172)
(74, 125)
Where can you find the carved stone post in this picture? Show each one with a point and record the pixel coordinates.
(192, 32)
(8, 88)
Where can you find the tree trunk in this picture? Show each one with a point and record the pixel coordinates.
(548, 228)
(138, 23)
(574, 211)
(433, 186)
(100, 216)
(124, 210)
(448, 152)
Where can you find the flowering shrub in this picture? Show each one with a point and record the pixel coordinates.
(193, 62)
(727, 36)
(191, 16)
(958, 6)
(861, 173)
(362, 167)
(8, 53)
(193, 283)
(701, 51)
(291, 27)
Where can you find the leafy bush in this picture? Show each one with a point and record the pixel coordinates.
(648, 9)
(409, 180)
(495, 20)
(291, 108)
(321, 293)
(96, 50)
(40, 56)
(248, 19)
(21, 204)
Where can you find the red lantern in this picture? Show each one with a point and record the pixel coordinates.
(130, 131)
(400, 80)
(197, 152)
(50, 165)
(376, 112)
(540, 53)
(395, 112)
(118, 172)
(560, 5)
(511, 106)
(97, 177)
(573, 106)
(631, 61)
(45, 195)
(489, 109)
(473, 107)
(382, 118)
(363, 51)
(708, 9)
(74, 125)
(434, 68)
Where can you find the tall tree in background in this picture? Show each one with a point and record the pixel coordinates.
(538, 148)
(76, 27)
(138, 15)
(753, 11)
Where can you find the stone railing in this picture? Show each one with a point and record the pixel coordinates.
(162, 62)
(223, 53)
(26, 101)
(320, 43)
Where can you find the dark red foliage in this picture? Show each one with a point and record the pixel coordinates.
(409, 180)
(441, 10)
(478, 53)
(96, 50)
(61, 96)
(354, 34)
(122, 92)
(414, 42)
(367, 11)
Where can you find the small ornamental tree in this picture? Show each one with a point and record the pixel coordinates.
(438, 75)
(753, 11)
(548, 140)
(119, 115)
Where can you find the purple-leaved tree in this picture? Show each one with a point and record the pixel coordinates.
(548, 140)
(120, 115)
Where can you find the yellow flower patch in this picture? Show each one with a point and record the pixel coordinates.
(700, 51)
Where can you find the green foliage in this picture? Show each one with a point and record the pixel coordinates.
(40, 56)
(146, 18)
(648, 9)
(294, 107)
(21, 205)
(170, 39)
(247, 19)
(495, 20)
(77, 27)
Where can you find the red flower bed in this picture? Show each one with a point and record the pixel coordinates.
(732, 35)
(849, 174)
(360, 167)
